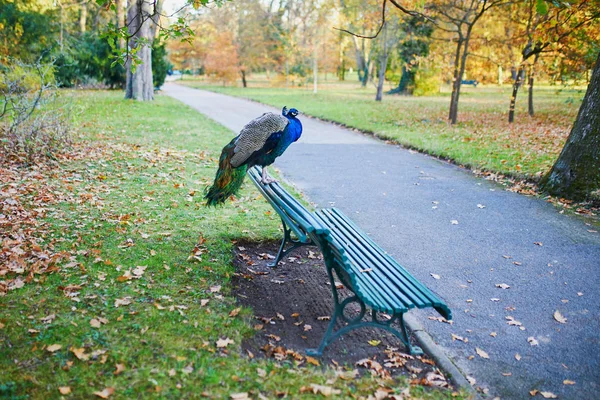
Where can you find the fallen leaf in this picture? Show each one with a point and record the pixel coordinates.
(568, 382)
(312, 360)
(324, 318)
(123, 302)
(502, 286)
(518, 357)
(493, 334)
(532, 341)
(435, 276)
(307, 328)
(471, 380)
(454, 222)
(481, 353)
(53, 347)
(480, 206)
(64, 389)
(324, 390)
(235, 312)
(374, 342)
(559, 317)
(549, 395)
(538, 243)
(119, 368)
(239, 396)
(222, 343)
(106, 393)
(80, 353)
(507, 374)
(95, 323)
(533, 392)
(462, 339)
(215, 289)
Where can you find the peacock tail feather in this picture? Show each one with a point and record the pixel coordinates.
(228, 179)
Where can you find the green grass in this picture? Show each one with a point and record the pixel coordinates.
(482, 139)
(135, 199)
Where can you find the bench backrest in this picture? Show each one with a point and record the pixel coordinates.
(291, 211)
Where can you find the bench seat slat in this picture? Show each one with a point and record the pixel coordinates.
(396, 300)
(419, 298)
(432, 299)
(391, 269)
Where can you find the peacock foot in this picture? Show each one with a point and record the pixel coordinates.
(266, 179)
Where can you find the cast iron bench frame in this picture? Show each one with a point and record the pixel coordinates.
(376, 280)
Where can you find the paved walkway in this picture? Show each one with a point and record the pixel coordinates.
(436, 218)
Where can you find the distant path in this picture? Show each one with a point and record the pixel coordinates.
(407, 202)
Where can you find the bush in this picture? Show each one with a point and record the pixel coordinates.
(160, 64)
(427, 82)
(33, 126)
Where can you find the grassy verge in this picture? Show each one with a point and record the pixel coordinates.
(124, 290)
(482, 139)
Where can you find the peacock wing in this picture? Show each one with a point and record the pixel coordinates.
(254, 135)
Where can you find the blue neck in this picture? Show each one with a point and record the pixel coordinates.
(294, 129)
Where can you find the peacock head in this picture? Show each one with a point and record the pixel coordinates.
(292, 112)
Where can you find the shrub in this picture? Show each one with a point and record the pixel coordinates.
(427, 82)
(33, 126)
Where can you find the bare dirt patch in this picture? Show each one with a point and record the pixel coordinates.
(292, 305)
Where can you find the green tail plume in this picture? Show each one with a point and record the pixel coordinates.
(228, 179)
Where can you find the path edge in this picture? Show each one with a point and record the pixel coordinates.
(436, 352)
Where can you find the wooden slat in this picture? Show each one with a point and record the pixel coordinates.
(394, 272)
(373, 282)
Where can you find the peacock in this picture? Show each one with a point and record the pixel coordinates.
(260, 142)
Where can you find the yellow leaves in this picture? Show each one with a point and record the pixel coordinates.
(481, 353)
(374, 342)
(313, 361)
(106, 393)
(53, 347)
(559, 317)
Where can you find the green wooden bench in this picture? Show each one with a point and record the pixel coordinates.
(379, 285)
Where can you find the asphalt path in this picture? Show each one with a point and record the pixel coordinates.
(505, 262)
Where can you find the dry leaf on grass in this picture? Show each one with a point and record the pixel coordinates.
(324, 390)
(222, 343)
(64, 389)
(119, 368)
(240, 396)
(106, 393)
(95, 323)
(235, 312)
(53, 347)
(80, 353)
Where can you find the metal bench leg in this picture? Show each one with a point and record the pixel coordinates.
(358, 322)
(287, 237)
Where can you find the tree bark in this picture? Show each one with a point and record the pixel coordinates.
(531, 81)
(83, 17)
(576, 173)
(139, 85)
(513, 99)
(244, 82)
(455, 81)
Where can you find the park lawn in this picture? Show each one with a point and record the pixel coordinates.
(139, 304)
(482, 140)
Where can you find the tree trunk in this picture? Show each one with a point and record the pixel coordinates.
(531, 80)
(382, 67)
(458, 82)
(406, 84)
(120, 6)
(455, 80)
(243, 72)
(83, 17)
(576, 173)
(139, 84)
(513, 98)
